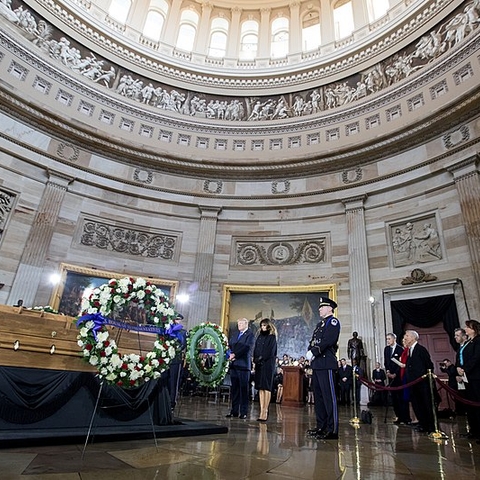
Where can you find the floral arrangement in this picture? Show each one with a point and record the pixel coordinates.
(99, 350)
(46, 308)
(198, 336)
(118, 293)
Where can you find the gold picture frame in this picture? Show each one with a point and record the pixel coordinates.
(293, 309)
(74, 280)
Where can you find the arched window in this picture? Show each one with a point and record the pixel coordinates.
(377, 9)
(119, 10)
(311, 38)
(153, 25)
(343, 19)
(218, 38)
(187, 30)
(279, 44)
(248, 40)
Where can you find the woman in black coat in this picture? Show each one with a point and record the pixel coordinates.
(470, 368)
(264, 355)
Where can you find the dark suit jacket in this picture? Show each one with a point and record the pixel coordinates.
(418, 363)
(391, 366)
(347, 373)
(243, 349)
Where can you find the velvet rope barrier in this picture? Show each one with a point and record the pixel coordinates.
(374, 386)
(454, 393)
(449, 390)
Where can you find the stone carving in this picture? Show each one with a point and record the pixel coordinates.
(417, 275)
(458, 136)
(68, 151)
(382, 75)
(281, 253)
(143, 176)
(416, 242)
(6, 203)
(128, 241)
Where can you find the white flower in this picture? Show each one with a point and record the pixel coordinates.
(93, 360)
(141, 294)
(84, 331)
(102, 336)
(117, 299)
(111, 377)
(139, 283)
(116, 361)
(171, 352)
(108, 351)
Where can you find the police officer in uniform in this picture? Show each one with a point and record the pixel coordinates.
(322, 352)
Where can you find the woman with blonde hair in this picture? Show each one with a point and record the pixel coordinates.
(264, 355)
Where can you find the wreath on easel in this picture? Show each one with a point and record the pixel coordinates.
(207, 339)
(101, 351)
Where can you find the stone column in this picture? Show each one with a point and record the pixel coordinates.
(264, 38)
(467, 180)
(295, 33)
(327, 29)
(171, 25)
(233, 42)
(202, 38)
(137, 15)
(202, 275)
(360, 14)
(361, 309)
(29, 273)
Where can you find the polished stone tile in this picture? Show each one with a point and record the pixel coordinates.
(278, 449)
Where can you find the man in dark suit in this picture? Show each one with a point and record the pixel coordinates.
(392, 352)
(240, 357)
(418, 364)
(345, 381)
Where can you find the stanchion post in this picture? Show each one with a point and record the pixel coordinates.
(355, 421)
(437, 434)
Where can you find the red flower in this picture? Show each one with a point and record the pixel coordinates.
(103, 354)
(106, 343)
(89, 347)
(124, 366)
(132, 382)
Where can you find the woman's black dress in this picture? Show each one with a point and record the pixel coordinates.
(264, 355)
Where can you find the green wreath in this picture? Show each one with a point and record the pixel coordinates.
(213, 375)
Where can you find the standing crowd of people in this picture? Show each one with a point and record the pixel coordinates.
(329, 382)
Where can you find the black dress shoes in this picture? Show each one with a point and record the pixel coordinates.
(315, 431)
(242, 417)
(231, 415)
(327, 436)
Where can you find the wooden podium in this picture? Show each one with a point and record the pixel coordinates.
(293, 387)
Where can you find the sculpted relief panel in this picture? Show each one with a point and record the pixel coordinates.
(415, 241)
(125, 240)
(280, 252)
(6, 204)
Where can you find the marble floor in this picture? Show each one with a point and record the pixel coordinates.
(278, 449)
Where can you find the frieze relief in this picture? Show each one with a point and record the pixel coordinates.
(125, 83)
(6, 205)
(121, 239)
(415, 241)
(280, 252)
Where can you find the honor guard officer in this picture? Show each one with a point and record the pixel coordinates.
(323, 360)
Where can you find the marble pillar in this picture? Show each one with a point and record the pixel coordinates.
(30, 269)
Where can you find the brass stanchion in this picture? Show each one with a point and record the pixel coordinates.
(437, 434)
(355, 421)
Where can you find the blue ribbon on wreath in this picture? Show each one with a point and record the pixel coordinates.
(99, 321)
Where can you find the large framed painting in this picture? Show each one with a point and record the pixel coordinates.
(293, 310)
(77, 281)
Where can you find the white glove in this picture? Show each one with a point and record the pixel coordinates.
(309, 355)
